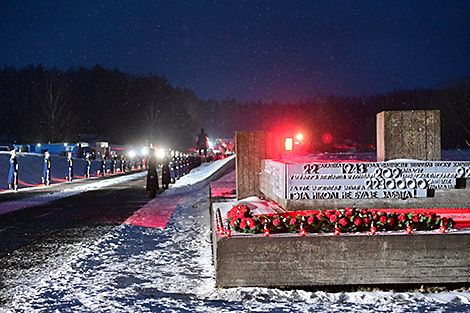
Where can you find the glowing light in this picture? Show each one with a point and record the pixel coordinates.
(300, 137)
(221, 231)
(337, 231)
(65, 144)
(228, 233)
(145, 151)
(442, 229)
(132, 154)
(302, 231)
(408, 229)
(289, 143)
(327, 138)
(38, 145)
(160, 153)
(266, 232)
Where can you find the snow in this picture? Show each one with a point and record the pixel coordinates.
(129, 268)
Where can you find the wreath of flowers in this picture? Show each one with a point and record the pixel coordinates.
(345, 220)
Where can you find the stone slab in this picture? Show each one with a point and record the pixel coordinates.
(414, 134)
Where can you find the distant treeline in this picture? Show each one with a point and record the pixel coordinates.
(50, 105)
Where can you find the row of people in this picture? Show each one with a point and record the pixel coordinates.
(173, 164)
(46, 174)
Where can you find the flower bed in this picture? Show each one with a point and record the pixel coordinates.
(335, 221)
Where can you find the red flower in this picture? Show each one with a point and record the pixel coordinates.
(415, 218)
(343, 222)
(243, 223)
(292, 221)
(251, 222)
(333, 218)
(276, 222)
(338, 213)
(327, 214)
(401, 217)
(383, 219)
(357, 221)
(391, 222)
(349, 212)
(233, 222)
(310, 220)
(366, 220)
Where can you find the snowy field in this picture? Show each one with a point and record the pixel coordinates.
(145, 269)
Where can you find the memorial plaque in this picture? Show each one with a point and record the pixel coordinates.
(400, 179)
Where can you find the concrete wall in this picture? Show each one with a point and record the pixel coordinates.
(328, 260)
(409, 135)
(251, 148)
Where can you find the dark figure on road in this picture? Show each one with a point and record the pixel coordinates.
(165, 171)
(201, 143)
(88, 165)
(13, 173)
(152, 178)
(46, 173)
(69, 175)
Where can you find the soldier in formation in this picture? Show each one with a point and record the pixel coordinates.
(13, 172)
(88, 165)
(46, 173)
(69, 175)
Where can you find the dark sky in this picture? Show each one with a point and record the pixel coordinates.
(248, 50)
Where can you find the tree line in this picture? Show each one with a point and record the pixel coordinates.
(51, 105)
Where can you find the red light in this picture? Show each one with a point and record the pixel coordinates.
(337, 231)
(228, 233)
(302, 232)
(221, 231)
(373, 230)
(442, 229)
(289, 143)
(299, 137)
(327, 138)
(266, 232)
(408, 229)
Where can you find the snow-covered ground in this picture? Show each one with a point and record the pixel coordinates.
(147, 269)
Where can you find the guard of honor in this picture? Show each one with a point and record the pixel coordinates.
(13, 172)
(69, 175)
(173, 164)
(46, 173)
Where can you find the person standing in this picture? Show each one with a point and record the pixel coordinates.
(69, 175)
(152, 178)
(172, 166)
(13, 173)
(87, 165)
(165, 170)
(202, 143)
(113, 163)
(46, 173)
(103, 165)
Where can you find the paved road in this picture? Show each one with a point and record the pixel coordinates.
(107, 205)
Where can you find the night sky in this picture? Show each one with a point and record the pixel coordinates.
(248, 50)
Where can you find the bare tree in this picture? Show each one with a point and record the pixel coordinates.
(151, 117)
(54, 107)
